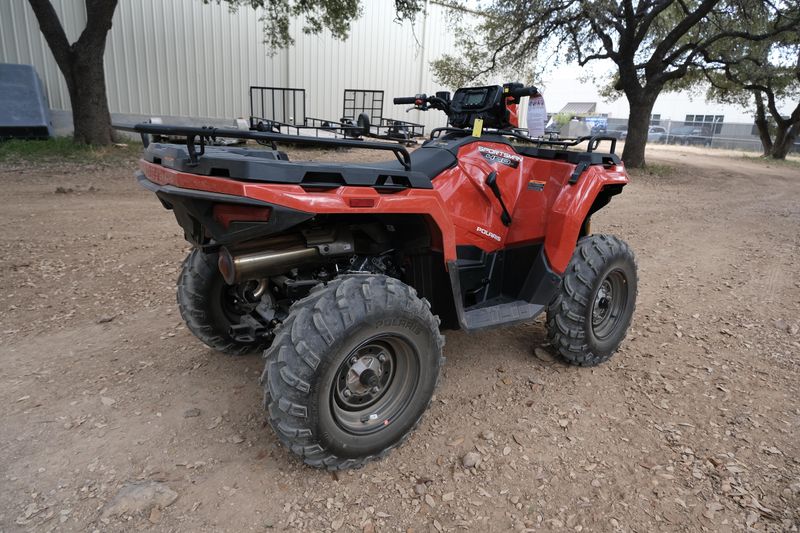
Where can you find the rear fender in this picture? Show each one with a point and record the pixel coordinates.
(571, 208)
(344, 200)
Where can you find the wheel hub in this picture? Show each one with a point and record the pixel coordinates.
(364, 378)
(609, 304)
(602, 302)
(374, 384)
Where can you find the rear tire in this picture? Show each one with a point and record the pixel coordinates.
(590, 315)
(202, 294)
(320, 400)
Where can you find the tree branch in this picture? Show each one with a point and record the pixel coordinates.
(98, 22)
(53, 33)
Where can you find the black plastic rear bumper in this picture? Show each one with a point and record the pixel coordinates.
(194, 212)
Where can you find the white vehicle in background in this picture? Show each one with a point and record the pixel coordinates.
(657, 134)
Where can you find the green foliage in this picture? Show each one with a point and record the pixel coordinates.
(562, 119)
(317, 15)
(760, 75)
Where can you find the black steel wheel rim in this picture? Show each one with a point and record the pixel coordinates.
(609, 304)
(374, 384)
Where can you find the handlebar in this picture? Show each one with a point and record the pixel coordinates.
(519, 92)
(405, 100)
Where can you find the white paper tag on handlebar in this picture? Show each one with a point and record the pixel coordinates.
(477, 127)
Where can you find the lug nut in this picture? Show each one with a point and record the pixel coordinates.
(353, 360)
(347, 393)
(382, 357)
(374, 390)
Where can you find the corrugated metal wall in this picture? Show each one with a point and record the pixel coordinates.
(186, 58)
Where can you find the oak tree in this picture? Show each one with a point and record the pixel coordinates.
(652, 44)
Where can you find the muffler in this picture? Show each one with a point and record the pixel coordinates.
(287, 252)
(256, 265)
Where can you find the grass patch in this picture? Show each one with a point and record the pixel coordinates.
(789, 162)
(653, 169)
(64, 149)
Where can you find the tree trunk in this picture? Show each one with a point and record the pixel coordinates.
(762, 125)
(638, 126)
(81, 63)
(87, 93)
(784, 140)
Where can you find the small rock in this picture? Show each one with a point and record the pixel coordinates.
(215, 422)
(448, 496)
(471, 459)
(543, 355)
(456, 441)
(337, 524)
(507, 450)
(191, 413)
(139, 497)
(155, 515)
(487, 435)
(237, 439)
(420, 489)
(108, 402)
(563, 422)
(106, 319)
(430, 501)
(63, 190)
(793, 329)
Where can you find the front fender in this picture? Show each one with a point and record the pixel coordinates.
(570, 210)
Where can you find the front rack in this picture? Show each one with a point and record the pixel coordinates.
(198, 136)
(593, 141)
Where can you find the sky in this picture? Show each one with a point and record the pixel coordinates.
(564, 84)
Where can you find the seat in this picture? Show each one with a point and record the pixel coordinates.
(430, 161)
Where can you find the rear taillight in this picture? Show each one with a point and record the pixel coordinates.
(362, 202)
(224, 214)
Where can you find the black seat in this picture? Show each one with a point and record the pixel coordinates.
(428, 160)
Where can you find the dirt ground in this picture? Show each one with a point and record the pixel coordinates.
(693, 426)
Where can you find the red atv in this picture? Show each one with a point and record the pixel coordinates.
(346, 273)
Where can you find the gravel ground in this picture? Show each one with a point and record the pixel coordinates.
(113, 417)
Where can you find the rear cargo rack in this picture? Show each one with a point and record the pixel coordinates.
(198, 136)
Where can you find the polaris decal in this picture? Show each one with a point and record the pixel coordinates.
(499, 156)
(534, 185)
(488, 233)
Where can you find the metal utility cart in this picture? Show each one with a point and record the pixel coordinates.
(364, 108)
(283, 110)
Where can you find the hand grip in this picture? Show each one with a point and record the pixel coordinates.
(524, 91)
(405, 100)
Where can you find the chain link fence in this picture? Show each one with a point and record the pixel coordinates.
(700, 130)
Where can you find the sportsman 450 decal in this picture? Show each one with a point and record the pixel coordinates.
(498, 156)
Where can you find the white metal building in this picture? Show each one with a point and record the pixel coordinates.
(190, 59)
(184, 58)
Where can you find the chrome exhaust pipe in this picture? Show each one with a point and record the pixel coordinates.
(256, 265)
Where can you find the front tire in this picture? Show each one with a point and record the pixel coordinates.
(590, 315)
(351, 370)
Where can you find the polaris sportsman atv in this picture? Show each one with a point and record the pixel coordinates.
(346, 273)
